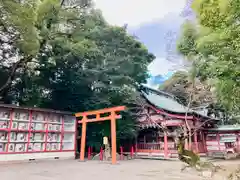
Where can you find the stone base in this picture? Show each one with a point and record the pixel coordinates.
(207, 174)
(97, 157)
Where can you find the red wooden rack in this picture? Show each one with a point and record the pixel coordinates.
(31, 131)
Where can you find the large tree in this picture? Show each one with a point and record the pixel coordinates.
(212, 42)
(88, 64)
(96, 68)
(180, 86)
(203, 96)
(26, 27)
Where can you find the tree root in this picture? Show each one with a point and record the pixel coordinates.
(202, 166)
(235, 175)
(184, 167)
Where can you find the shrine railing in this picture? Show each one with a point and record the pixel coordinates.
(159, 147)
(198, 147)
(151, 146)
(156, 147)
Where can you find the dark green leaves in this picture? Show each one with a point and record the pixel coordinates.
(213, 42)
(81, 63)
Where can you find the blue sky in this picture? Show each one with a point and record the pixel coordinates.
(151, 21)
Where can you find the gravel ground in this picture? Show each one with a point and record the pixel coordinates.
(92, 170)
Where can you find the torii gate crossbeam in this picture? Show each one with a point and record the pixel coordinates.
(99, 116)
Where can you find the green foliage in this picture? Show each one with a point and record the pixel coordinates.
(26, 18)
(213, 44)
(177, 85)
(27, 27)
(180, 85)
(23, 18)
(82, 64)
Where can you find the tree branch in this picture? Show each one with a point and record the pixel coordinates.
(74, 6)
(13, 71)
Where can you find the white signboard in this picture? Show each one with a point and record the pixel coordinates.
(212, 148)
(105, 140)
(227, 135)
(172, 121)
(228, 139)
(212, 142)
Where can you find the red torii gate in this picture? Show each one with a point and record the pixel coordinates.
(98, 117)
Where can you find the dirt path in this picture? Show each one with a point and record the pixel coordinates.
(94, 170)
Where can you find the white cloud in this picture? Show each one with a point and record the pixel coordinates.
(163, 66)
(137, 12)
(160, 66)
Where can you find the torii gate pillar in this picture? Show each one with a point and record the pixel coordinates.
(99, 117)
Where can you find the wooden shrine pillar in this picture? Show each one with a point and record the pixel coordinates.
(196, 141)
(113, 138)
(195, 136)
(83, 139)
(99, 116)
(204, 141)
(218, 139)
(165, 145)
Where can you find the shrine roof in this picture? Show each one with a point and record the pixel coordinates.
(226, 128)
(35, 109)
(168, 102)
